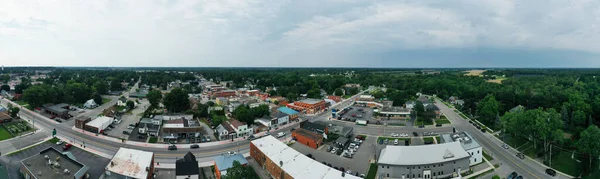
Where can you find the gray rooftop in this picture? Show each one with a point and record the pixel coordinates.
(466, 140)
(422, 154)
(279, 115)
(38, 165)
(311, 101)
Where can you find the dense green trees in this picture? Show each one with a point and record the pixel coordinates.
(239, 171)
(589, 144)
(487, 110)
(154, 97)
(130, 104)
(246, 114)
(101, 87)
(5, 88)
(14, 111)
(176, 100)
(338, 92)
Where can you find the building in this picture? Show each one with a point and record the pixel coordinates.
(283, 162)
(181, 128)
(174, 117)
(293, 115)
(221, 101)
(224, 162)
(435, 110)
(90, 104)
(241, 128)
(425, 161)
(3, 109)
(60, 110)
(233, 105)
(342, 142)
(122, 101)
(337, 99)
(365, 97)
(410, 104)
(130, 163)
(342, 130)
(141, 94)
(187, 167)
(308, 106)
(395, 112)
(308, 138)
(99, 124)
(52, 164)
(225, 131)
(81, 121)
(425, 100)
(224, 93)
(318, 128)
(252, 92)
(279, 119)
(150, 127)
(468, 144)
(4, 118)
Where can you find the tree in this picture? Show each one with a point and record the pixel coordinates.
(4, 78)
(210, 103)
(378, 94)
(419, 108)
(244, 114)
(487, 109)
(338, 92)
(14, 111)
(36, 95)
(154, 97)
(5, 88)
(115, 85)
(238, 171)
(589, 143)
(130, 104)
(352, 91)
(579, 118)
(98, 99)
(176, 101)
(21, 87)
(261, 110)
(101, 87)
(564, 112)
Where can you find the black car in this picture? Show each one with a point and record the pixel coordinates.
(126, 132)
(172, 147)
(415, 134)
(483, 130)
(309, 155)
(339, 152)
(438, 125)
(422, 126)
(519, 177)
(58, 120)
(194, 146)
(512, 175)
(550, 172)
(521, 156)
(329, 148)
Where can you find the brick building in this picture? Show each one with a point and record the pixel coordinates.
(308, 106)
(335, 98)
(308, 138)
(224, 93)
(81, 121)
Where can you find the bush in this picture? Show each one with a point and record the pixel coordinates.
(152, 140)
(495, 177)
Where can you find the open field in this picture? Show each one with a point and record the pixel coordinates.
(474, 72)
(497, 80)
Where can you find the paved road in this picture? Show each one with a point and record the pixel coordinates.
(527, 168)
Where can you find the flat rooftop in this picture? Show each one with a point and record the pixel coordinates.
(131, 163)
(465, 139)
(68, 168)
(99, 121)
(310, 101)
(294, 163)
(422, 154)
(306, 133)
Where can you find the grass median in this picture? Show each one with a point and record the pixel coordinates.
(372, 171)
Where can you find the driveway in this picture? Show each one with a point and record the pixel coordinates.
(128, 119)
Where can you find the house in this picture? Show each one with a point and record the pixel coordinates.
(4, 118)
(60, 110)
(53, 164)
(233, 105)
(130, 163)
(517, 108)
(293, 115)
(90, 104)
(150, 127)
(225, 131)
(409, 104)
(221, 101)
(442, 161)
(3, 109)
(241, 128)
(280, 119)
(281, 161)
(468, 143)
(122, 101)
(308, 106)
(342, 130)
(224, 162)
(181, 128)
(187, 167)
(252, 92)
(455, 100)
(308, 138)
(315, 127)
(425, 100)
(337, 99)
(224, 93)
(435, 110)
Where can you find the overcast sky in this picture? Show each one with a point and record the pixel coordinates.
(301, 33)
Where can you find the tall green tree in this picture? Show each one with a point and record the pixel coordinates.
(5, 87)
(420, 109)
(14, 111)
(244, 113)
(238, 171)
(130, 104)
(176, 101)
(101, 87)
(378, 94)
(487, 109)
(338, 92)
(589, 144)
(154, 97)
(261, 110)
(98, 99)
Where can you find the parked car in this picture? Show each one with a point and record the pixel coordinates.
(381, 141)
(483, 130)
(505, 146)
(130, 127)
(394, 135)
(550, 172)
(396, 142)
(333, 150)
(60, 142)
(231, 153)
(415, 134)
(280, 134)
(425, 133)
(422, 126)
(385, 141)
(438, 125)
(52, 117)
(194, 146)
(172, 147)
(521, 156)
(404, 135)
(67, 146)
(126, 132)
(339, 152)
(58, 120)
(512, 175)
(329, 148)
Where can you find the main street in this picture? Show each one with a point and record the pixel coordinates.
(525, 167)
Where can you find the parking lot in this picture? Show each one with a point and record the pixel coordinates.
(128, 122)
(358, 163)
(358, 112)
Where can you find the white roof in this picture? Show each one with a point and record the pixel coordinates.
(173, 126)
(296, 164)
(131, 163)
(99, 121)
(422, 154)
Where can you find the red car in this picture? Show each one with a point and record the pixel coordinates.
(353, 115)
(67, 146)
(52, 117)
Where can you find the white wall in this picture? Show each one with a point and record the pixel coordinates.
(476, 156)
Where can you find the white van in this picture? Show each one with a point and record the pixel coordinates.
(280, 134)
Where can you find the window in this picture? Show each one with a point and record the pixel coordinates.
(455, 170)
(475, 159)
(433, 173)
(413, 175)
(388, 166)
(419, 167)
(478, 152)
(419, 175)
(388, 175)
(413, 167)
(382, 166)
(408, 168)
(454, 162)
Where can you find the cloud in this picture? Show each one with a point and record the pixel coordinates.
(295, 33)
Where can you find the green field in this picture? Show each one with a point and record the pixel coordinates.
(372, 171)
(419, 122)
(17, 128)
(4, 134)
(442, 121)
(563, 162)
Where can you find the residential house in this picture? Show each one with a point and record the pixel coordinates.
(225, 131)
(293, 115)
(90, 104)
(280, 119)
(435, 110)
(181, 128)
(410, 104)
(241, 128)
(122, 101)
(187, 167)
(425, 100)
(233, 105)
(150, 127)
(224, 162)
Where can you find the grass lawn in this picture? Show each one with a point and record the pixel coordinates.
(595, 174)
(488, 157)
(17, 128)
(442, 121)
(426, 139)
(24, 104)
(105, 100)
(4, 134)
(462, 115)
(563, 162)
(372, 171)
(152, 140)
(439, 140)
(419, 122)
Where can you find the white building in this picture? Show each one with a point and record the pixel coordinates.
(468, 143)
(99, 124)
(130, 163)
(241, 128)
(90, 104)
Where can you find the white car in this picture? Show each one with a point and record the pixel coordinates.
(280, 134)
(333, 150)
(404, 135)
(394, 135)
(59, 142)
(231, 153)
(130, 127)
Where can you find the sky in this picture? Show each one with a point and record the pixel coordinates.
(301, 33)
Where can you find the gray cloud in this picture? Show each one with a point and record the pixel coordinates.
(386, 33)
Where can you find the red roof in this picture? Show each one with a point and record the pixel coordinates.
(236, 123)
